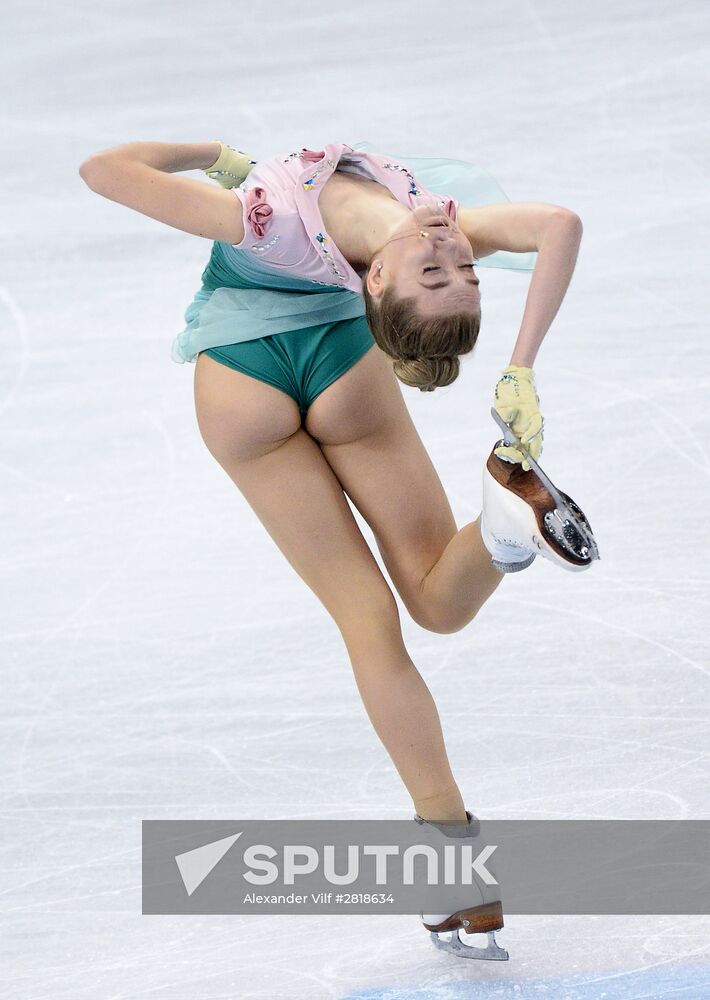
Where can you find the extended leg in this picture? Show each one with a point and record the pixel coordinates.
(253, 430)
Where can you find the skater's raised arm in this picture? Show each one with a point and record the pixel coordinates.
(555, 233)
(518, 226)
(170, 157)
(140, 176)
(556, 259)
(516, 398)
(551, 230)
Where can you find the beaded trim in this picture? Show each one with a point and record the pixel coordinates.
(508, 378)
(265, 246)
(308, 184)
(413, 189)
(228, 173)
(322, 241)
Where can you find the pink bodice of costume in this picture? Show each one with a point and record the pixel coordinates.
(282, 221)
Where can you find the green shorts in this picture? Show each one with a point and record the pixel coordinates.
(301, 363)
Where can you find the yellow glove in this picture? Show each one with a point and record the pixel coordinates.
(516, 401)
(231, 166)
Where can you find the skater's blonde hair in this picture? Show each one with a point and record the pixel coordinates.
(425, 350)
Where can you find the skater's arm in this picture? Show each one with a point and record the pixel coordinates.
(517, 226)
(139, 175)
(171, 157)
(555, 233)
(556, 259)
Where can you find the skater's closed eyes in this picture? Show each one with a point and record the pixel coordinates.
(422, 298)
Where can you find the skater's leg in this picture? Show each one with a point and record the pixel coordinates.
(442, 574)
(254, 431)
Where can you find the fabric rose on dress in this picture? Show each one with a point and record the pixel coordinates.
(258, 211)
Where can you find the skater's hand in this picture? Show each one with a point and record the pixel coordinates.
(231, 167)
(516, 401)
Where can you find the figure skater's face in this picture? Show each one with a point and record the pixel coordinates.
(436, 270)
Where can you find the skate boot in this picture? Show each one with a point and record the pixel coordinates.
(484, 915)
(525, 514)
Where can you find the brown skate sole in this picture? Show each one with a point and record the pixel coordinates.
(528, 487)
(477, 920)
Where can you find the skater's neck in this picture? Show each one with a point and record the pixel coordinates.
(361, 216)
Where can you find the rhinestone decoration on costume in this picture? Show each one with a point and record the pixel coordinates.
(228, 173)
(266, 246)
(508, 378)
(308, 184)
(322, 241)
(413, 189)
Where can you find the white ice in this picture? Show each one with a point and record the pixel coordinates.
(160, 659)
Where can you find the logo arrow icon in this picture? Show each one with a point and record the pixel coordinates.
(195, 865)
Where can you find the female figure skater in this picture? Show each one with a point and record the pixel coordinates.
(333, 274)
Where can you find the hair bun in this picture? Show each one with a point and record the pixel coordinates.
(427, 374)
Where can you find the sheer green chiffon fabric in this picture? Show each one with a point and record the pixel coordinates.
(239, 300)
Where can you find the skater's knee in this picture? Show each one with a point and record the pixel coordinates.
(442, 620)
(442, 626)
(371, 618)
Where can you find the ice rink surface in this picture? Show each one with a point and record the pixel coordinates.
(161, 660)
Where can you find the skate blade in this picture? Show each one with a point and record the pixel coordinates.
(492, 952)
(567, 524)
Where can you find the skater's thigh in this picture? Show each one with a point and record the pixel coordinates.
(254, 431)
(370, 441)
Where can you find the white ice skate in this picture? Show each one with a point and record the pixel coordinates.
(525, 514)
(483, 916)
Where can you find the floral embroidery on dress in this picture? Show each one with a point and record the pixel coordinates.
(413, 189)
